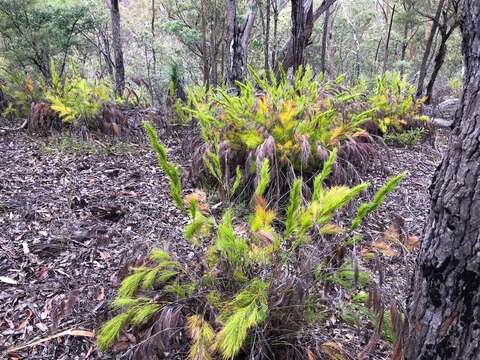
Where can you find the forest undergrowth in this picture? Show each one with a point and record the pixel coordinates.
(123, 205)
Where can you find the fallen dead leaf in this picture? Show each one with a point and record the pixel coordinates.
(413, 242)
(101, 294)
(334, 350)
(384, 248)
(42, 273)
(26, 320)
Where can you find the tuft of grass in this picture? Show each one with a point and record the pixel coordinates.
(367, 208)
(405, 138)
(70, 144)
(109, 332)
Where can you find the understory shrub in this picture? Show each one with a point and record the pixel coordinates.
(72, 100)
(406, 138)
(295, 124)
(253, 286)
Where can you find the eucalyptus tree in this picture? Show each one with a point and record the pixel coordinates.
(444, 313)
(34, 33)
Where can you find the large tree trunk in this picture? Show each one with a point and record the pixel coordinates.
(298, 33)
(117, 48)
(428, 49)
(287, 51)
(238, 38)
(444, 309)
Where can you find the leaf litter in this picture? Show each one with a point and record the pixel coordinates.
(71, 225)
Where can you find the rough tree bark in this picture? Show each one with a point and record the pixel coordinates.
(298, 32)
(286, 56)
(237, 38)
(444, 309)
(117, 48)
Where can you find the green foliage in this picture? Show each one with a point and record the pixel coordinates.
(264, 178)
(77, 99)
(247, 310)
(357, 314)
(139, 310)
(109, 332)
(295, 124)
(171, 171)
(235, 293)
(21, 90)
(39, 32)
(199, 225)
(212, 161)
(345, 277)
(202, 335)
(393, 100)
(234, 248)
(367, 208)
(406, 138)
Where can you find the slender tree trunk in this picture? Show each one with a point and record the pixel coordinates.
(428, 49)
(154, 53)
(275, 33)
(387, 43)
(325, 35)
(403, 52)
(206, 77)
(437, 65)
(439, 59)
(230, 24)
(213, 45)
(265, 17)
(117, 48)
(444, 309)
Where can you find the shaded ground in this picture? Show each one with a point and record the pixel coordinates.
(72, 223)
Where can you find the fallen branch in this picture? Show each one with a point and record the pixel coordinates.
(24, 124)
(442, 123)
(71, 332)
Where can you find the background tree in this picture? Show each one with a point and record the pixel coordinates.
(117, 48)
(444, 312)
(36, 33)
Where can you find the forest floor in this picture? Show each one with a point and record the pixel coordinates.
(74, 217)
